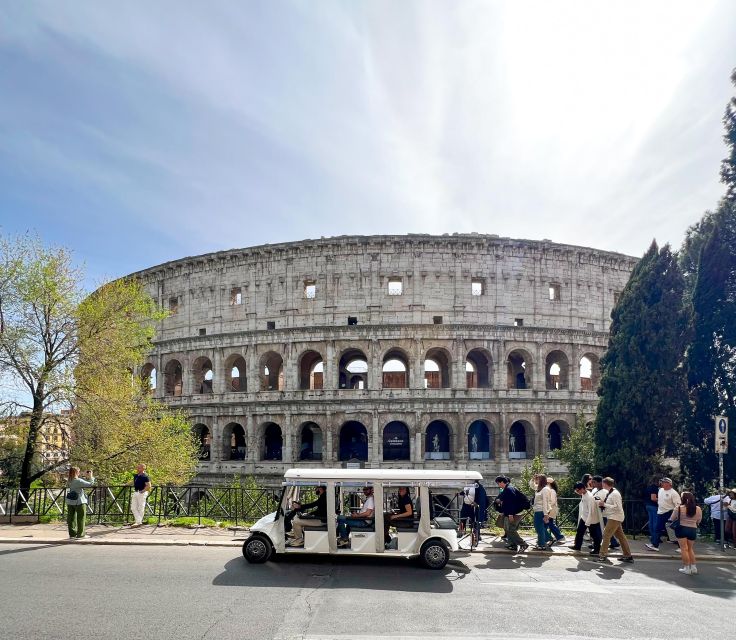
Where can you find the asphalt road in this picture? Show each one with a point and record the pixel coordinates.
(127, 592)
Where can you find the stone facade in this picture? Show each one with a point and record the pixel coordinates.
(304, 352)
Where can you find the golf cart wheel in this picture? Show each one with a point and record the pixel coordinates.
(257, 549)
(434, 554)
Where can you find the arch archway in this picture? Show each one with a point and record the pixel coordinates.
(233, 437)
(353, 370)
(519, 370)
(478, 369)
(479, 440)
(148, 378)
(204, 437)
(521, 440)
(272, 442)
(272, 372)
(396, 444)
(235, 373)
(310, 447)
(311, 370)
(437, 366)
(173, 380)
(353, 441)
(437, 441)
(557, 431)
(590, 372)
(395, 370)
(556, 370)
(202, 372)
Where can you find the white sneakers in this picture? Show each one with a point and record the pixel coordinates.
(651, 547)
(689, 570)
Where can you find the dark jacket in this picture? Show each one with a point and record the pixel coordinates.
(321, 507)
(512, 501)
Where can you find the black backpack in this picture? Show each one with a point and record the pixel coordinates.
(523, 502)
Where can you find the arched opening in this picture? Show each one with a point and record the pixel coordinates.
(395, 370)
(353, 441)
(519, 370)
(148, 378)
(202, 371)
(272, 441)
(235, 368)
(173, 378)
(556, 431)
(437, 369)
(557, 368)
(437, 441)
(396, 441)
(353, 370)
(311, 442)
(272, 372)
(311, 371)
(204, 439)
(479, 440)
(478, 372)
(518, 440)
(590, 372)
(233, 438)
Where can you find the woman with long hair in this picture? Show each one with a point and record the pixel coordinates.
(687, 517)
(543, 506)
(76, 502)
(559, 537)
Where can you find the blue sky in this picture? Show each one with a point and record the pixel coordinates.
(140, 132)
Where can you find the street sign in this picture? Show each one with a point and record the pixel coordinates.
(721, 434)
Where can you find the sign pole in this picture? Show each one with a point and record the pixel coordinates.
(723, 513)
(721, 442)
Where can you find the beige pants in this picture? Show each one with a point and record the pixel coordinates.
(298, 524)
(614, 528)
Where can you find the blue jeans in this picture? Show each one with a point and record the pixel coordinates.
(661, 520)
(653, 532)
(543, 536)
(554, 529)
(344, 524)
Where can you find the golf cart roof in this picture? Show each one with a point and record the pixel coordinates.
(382, 475)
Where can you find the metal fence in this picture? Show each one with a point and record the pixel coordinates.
(238, 505)
(111, 504)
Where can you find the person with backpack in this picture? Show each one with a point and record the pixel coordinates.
(512, 503)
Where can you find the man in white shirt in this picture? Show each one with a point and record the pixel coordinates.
(356, 520)
(714, 502)
(667, 501)
(612, 505)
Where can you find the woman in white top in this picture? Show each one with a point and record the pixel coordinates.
(543, 507)
(559, 537)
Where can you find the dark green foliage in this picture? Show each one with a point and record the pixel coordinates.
(643, 385)
(728, 166)
(711, 357)
(578, 454)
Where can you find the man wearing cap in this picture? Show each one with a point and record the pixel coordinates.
(667, 501)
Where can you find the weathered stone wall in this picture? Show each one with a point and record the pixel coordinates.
(351, 277)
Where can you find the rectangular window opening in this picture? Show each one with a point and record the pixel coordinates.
(395, 286)
(236, 295)
(352, 320)
(477, 287)
(310, 289)
(173, 306)
(554, 292)
(270, 325)
(203, 332)
(616, 297)
(437, 319)
(518, 322)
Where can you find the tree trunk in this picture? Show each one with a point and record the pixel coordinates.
(26, 470)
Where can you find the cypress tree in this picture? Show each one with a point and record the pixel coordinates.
(643, 389)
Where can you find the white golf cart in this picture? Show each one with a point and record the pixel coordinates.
(431, 534)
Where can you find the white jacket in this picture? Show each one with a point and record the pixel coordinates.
(543, 501)
(613, 507)
(590, 506)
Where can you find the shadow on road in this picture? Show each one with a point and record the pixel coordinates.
(28, 547)
(386, 574)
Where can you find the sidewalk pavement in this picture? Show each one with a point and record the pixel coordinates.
(214, 537)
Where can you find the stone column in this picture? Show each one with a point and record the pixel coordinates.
(287, 437)
(374, 366)
(254, 378)
(219, 375)
(539, 374)
(160, 377)
(328, 454)
(502, 444)
(418, 453)
(187, 376)
(252, 440)
(574, 369)
(375, 445)
(330, 368)
(500, 366)
(459, 379)
(416, 377)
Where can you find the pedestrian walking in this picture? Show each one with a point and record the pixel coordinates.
(590, 520)
(559, 537)
(542, 508)
(141, 491)
(599, 492)
(76, 503)
(512, 503)
(612, 505)
(667, 501)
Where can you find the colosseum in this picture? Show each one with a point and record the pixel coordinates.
(454, 351)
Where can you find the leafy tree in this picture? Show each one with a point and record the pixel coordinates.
(64, 349)
(643, 391)
(728, 166)
(578, 453)
(529, 471)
